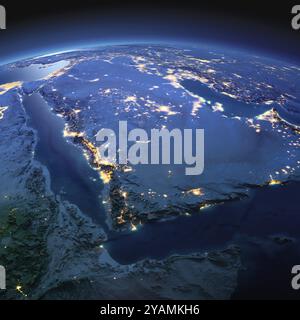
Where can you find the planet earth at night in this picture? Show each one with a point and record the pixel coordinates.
(73, 226)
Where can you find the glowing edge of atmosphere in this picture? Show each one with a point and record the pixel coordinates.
(94, 45)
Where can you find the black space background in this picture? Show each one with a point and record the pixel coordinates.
(260, 24)
(269, 12)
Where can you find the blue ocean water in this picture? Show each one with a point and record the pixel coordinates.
(248, 222)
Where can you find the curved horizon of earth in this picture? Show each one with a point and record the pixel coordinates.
(248, 106)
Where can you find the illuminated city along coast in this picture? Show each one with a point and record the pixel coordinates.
(258, 174)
